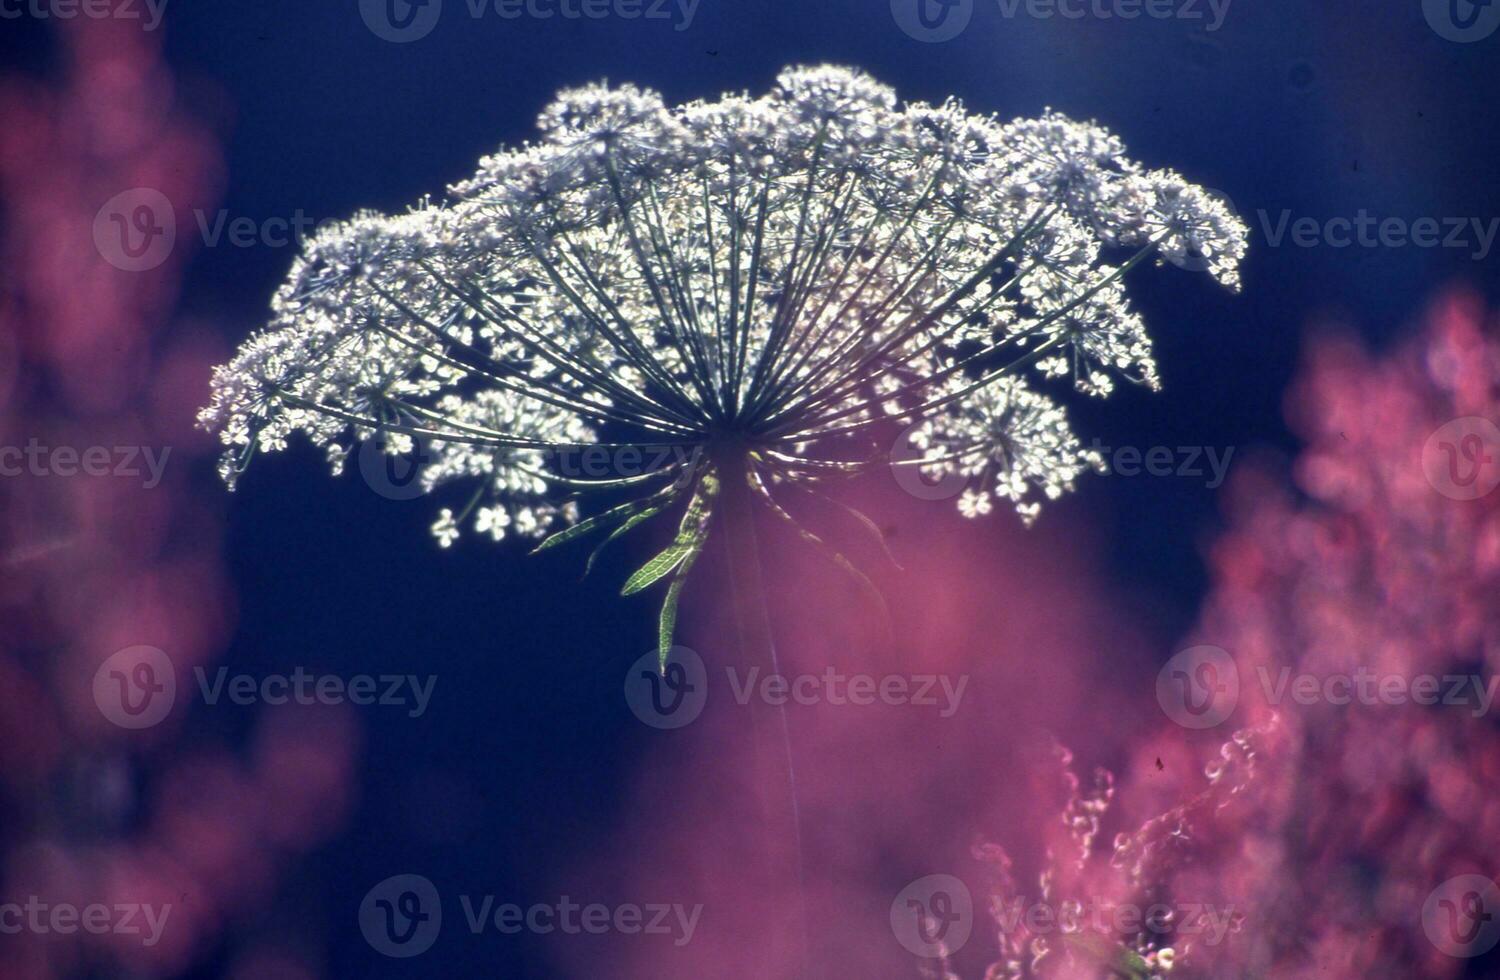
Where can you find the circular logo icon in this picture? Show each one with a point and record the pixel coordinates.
(135, 687)
(1199, 687)
(905, 454)
(1462, 916)
(933, 916)
(136, 229)
(395, 476)
(669, 697)
(1464, 21)
(931, 21)
(400, 21)
(401, 916)
(1462, 459)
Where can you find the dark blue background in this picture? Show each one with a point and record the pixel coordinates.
(1321, 108)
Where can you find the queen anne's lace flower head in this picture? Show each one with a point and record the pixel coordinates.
(796, 275)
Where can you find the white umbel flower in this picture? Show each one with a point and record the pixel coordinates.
(779, 281)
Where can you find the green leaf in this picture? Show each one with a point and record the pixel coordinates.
(667, 626)
(1120, 960)
(690, 536)
(584, 527)
(634, 521)
(654, 569)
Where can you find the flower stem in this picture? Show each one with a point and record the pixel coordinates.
(775, 773)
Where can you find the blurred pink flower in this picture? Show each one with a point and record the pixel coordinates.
(1015, 621)
(1312, 838)
(97, 815)
(1373, 566)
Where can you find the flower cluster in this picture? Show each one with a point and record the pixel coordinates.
(1095, 928)
(784, 274)
(1370, 804)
